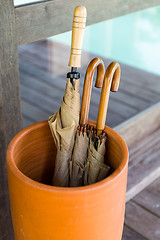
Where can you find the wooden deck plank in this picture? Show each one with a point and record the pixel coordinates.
(49, 91)
(149, 198)
(142, 83)
(144, 170)
(143, 93)
(130, 234)
(29, 109)
(142, 212)
(130, 100)
(39, 100)
(142, 134)
(141, 176)
(27, 122)
(156, 185)
(112, 118)
(142, 221)
(141, 149)
(140, 126)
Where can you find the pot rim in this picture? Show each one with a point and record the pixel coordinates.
(112, 177)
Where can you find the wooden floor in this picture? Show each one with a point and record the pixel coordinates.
(142, 218)
(43, 68)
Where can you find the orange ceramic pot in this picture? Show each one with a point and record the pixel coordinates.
(43, 212)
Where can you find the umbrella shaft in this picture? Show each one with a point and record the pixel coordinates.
(73, 69)
(73, 74)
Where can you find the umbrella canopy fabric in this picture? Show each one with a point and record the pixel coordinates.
(77, 163)
(95, 168)
(63, 125)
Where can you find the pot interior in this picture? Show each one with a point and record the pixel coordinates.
(35, 153)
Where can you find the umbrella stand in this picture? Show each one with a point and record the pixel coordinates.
(83, 213)
(95, 168)
(81, 142)
(64, 122)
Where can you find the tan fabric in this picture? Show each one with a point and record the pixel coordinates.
(77, 163)
(63, 125)
(95, 168)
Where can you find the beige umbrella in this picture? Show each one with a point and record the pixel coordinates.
(64, 122)
(63, 126)
(82, 138)
(95, 167)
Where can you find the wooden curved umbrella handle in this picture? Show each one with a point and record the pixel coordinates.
(98, 64)
(111, 82)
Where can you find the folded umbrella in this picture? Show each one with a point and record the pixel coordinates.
(95, 167)
(82, 139)
(64, 122)
(63, 126)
